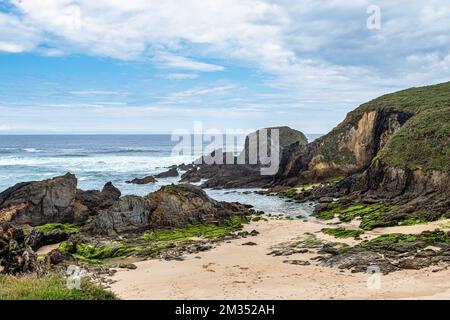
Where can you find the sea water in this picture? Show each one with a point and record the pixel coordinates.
(97, 159)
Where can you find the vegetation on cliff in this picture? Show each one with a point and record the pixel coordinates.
(423, 143)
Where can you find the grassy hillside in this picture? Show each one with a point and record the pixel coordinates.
(413, 100)
(422, 143)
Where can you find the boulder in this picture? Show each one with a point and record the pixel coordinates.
(38, 203)
(91, 201)
(145, 180)
(15, 255)
(56, 257)
(35, 239)
(240, 172)
(171, 206)
(55, 236)
(172, 172)
(130, 213)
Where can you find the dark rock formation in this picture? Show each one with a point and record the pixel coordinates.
(38, 203)
(57, 257)
(223, 170)
(171, 206)
(55, 236)
(90, 202)
(173, 172)
(35, 239)
(145, 180)
(227, 176)
(15, 256)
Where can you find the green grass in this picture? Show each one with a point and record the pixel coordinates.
(343, 233)
(423, 143)
(67, 227)
(48, 288)
(413, 100)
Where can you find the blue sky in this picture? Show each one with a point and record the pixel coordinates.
(137, 66)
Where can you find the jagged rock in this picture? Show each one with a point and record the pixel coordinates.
(173, 172)
(93, 200)
(15, 256)
(55, 236)
(145, 180)
(171, 206)
(9, 231)
(56, 257)
(229, 171)
(38, 203)
(35, 239)
(130, 213)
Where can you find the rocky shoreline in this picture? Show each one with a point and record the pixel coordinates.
(367, 173)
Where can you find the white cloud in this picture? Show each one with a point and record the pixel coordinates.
(182, 63)
(181, 76)
(97, 92)
(15, 35)
(316, 53)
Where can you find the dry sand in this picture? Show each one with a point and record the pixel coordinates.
(234, 271)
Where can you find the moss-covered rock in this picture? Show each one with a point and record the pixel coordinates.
(343, 233)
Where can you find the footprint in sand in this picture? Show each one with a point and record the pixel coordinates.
(208, 266)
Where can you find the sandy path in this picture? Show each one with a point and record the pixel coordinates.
(234, 271)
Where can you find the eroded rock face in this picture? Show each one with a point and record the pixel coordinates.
(347, 149)
(224, 170)
(129, 214)
(38, 203)
(90, 202)
(16, 256)
(171, 206)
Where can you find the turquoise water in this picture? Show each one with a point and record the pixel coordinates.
(97, 159)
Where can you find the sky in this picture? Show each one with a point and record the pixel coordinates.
(150, 66)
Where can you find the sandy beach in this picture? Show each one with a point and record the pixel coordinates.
(236, 271)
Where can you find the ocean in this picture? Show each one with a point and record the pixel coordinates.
(97, 159)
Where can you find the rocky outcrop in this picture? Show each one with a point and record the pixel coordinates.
(347, 149)
(15, 255)
(172, 172)
(145, 180)
(171, 206)
(55, 200)
(90, 202)
(394, 148)
(37, 203)
(224, 170)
